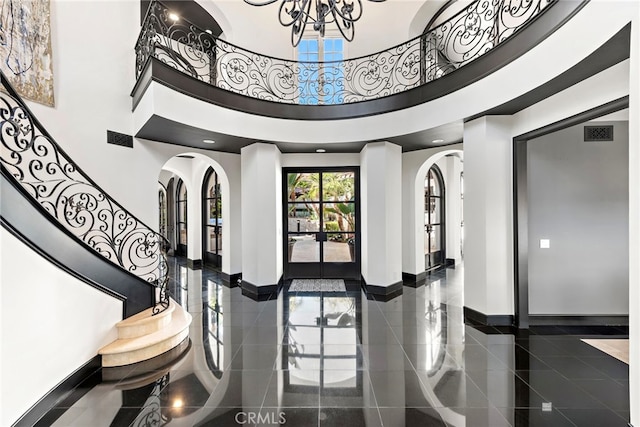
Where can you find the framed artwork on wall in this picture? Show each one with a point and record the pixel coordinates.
(25, 48)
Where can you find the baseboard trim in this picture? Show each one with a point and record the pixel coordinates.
(260, 293)
(414, 280)
(194, 264)
(35, 414)
(477, 318)
(382, 293)
(231, 280)
(555, 320)
(157, 363)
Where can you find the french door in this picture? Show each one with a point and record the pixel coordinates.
(321, 223)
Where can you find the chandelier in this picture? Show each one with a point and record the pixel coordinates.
(297, 14)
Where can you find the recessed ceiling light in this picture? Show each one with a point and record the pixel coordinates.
(208, 141)
(174, 17)
(321, 150)
(437, 141)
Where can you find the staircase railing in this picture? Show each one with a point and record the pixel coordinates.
(39, 165)
(466, 36)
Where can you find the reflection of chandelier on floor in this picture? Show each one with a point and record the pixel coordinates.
(298, 14)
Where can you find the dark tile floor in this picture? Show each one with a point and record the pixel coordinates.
(340, 359)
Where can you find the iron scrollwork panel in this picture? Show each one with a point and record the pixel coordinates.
(466, 36)
(52, 179)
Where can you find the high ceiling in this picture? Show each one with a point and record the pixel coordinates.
(164, 130)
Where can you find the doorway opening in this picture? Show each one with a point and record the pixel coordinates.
(434, 220)
(321, 222)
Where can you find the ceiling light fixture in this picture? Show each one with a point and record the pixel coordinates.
(208, 141)
(321, 150)
(297, 14)
(174, 17)
(437, 141)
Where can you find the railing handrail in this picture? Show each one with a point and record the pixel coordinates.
(191, 24)
(11, 91)
(16, 115)
(462, 38)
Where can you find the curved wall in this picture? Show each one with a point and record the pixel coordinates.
(52, 323)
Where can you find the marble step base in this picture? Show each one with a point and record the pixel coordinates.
(127, 351)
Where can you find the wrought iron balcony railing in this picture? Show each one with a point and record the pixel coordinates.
(32, 157)
(469, 34)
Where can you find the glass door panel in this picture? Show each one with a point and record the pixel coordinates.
(339, 216)
(303, 248)
(303, 217)
(303, 187)
(321, 223)
(339, 247)
(338, 186)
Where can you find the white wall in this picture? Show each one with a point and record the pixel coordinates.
(192, 172)
(51, 325)
(240, 21)
(415, 165)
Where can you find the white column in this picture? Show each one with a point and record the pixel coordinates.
(634, 219)
(453, 206)
(488, 216)
(381, 213)
(261, 214)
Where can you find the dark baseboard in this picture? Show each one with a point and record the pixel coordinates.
(414, 280)
(90, 371)
(231, 280)
(475, 317)
(260, 293)
(382, 293)
(160, 362)
(450, 263)
(546, 320)
(194, 264)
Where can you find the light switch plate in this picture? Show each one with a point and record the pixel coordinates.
(545, 243)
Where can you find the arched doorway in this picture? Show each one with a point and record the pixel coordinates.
(181, 218)
(211, 219)
(434, 219)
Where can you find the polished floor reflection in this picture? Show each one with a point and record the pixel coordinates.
(340, 359)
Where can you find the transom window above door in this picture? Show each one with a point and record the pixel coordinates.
(321, 71)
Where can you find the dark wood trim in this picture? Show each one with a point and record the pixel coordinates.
(475, 317)
(194, 264)
(27, 217)
(231, 280)
(561, 320)
(520, 200)
(38, 413)
(517, 45)
(260, 293)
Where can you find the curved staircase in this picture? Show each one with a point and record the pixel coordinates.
(144, 336)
